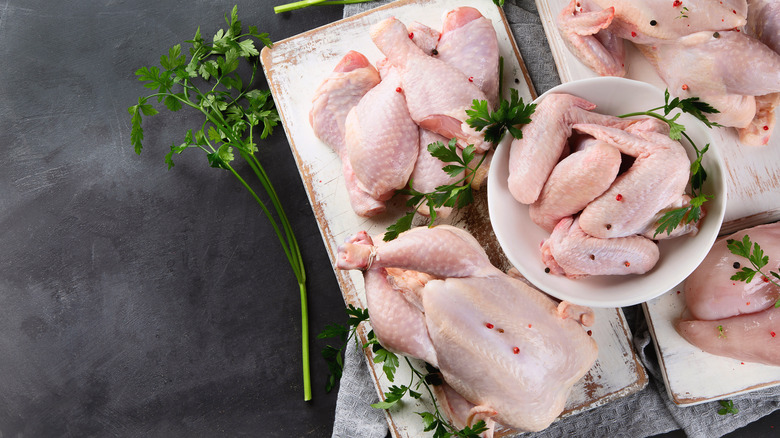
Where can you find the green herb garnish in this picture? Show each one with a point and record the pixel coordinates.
(698, 109)
(306, 3)
(457, 194)
(727, 407)
(753, 252)
(511, 115)
(209, 83)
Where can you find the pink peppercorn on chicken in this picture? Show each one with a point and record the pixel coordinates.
(507, 352)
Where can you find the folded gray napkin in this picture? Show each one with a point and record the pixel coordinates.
(646, 413)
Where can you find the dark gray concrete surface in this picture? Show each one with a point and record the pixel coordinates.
(137, 301)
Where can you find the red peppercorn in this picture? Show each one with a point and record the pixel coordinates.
(471, 78)
(684, 86)
(627, 264)
(529, 325)
(773, 334)
(590, 332)
(676, 3)
(619, 197)
(398, 90)
(766, 128)
(411, 35)
(633, 34)
(489, 325)
(516, 350)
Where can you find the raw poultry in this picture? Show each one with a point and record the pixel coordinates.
(733, 318)
(606, 225)
(508, 353)
(698, 47)
(429, 79)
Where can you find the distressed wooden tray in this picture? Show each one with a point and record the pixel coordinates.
(753, 181)
(294, 68)
(752, 173)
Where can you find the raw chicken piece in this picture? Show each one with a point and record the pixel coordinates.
(437, 94)
(382, 139)
(763, 22)
(586, 34)
(469, 43)
(593, 29)
(424, 37)
(658, 177)
(428, 172)
(574, 182)
(711, 294)
(760, 129)
(715, 66)
(533, 157)
(334, 98)
(749, 338)
(571, 252)
(504, 347)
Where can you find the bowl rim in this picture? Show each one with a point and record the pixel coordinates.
(712, 222)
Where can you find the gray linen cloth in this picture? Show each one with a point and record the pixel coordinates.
(646, 413)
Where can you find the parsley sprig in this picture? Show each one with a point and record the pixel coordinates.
(698, 109)
(334, 356)
(510, 116)
(727, 407)
(456, 194)
(753, 252)
(209, 82)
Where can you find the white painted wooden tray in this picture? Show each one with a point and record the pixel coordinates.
(294, 68)
(753, 180)
(691, 375)
(752, 173)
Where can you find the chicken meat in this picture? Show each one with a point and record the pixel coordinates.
(657, 178)
(437, 94)
(382, 139)
(571, 252)
(733, 318)
(507, 352)
(351, 79)
(533, 157)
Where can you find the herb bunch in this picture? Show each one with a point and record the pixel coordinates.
(510, 116)
(419, 380)
(209, 82)
(753, 252)
(698, 109)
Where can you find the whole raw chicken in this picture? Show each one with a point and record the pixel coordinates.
(734, 318)
(507, 352)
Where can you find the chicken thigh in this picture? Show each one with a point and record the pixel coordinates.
(437, 94)
(382, 139)
(508, 350)
(334, 98)
(469, 43)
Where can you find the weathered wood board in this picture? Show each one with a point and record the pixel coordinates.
(295, 67)
(691, 375)
(752, 173)
(753, 181)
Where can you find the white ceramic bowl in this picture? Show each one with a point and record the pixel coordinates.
(520, 238)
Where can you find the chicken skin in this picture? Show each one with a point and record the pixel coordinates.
(508, 352)
(734, 318)
(437, 94)
(382, 139)
(571, 252)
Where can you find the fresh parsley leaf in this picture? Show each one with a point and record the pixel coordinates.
(389, 361)
(753, 252)
(510, 115)
(392, 397)
(727, 407)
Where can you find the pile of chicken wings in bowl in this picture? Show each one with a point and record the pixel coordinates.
(603, 208)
